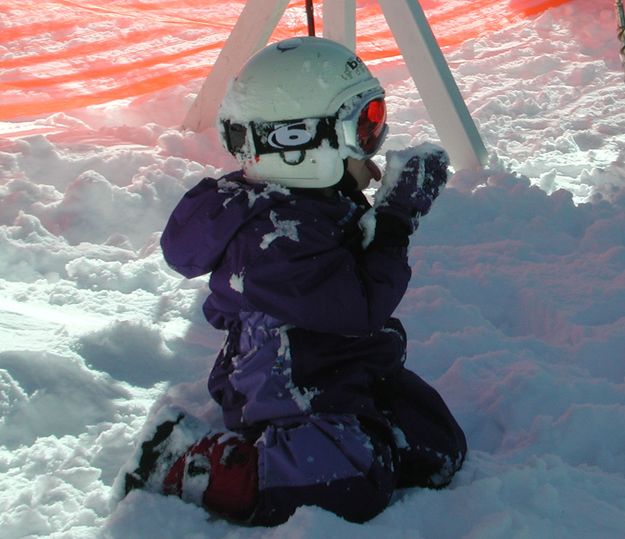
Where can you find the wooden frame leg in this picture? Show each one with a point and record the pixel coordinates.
(339, 22)
(250, 34)
(436, 84)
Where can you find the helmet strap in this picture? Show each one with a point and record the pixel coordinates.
(347, 184)
(283, 137)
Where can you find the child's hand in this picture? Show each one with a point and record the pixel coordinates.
(412, 180)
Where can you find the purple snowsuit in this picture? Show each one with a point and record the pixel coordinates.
(312, 367)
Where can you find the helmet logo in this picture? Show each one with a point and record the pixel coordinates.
(289, 136)
(353, 67)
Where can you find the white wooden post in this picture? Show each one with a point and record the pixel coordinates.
(339, 22)
(250, 34)
(436, 84)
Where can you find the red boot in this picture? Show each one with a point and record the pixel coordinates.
(219, 473)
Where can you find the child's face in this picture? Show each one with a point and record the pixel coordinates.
(363, 171)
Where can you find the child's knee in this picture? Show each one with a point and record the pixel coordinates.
(328, 462)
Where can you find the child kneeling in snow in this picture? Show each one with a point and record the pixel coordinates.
(305, 275)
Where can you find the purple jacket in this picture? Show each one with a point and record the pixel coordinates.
(307, 308)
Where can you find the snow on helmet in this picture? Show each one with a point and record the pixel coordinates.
(298, 108)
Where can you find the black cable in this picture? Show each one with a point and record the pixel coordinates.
(310, 15)
(620, 13)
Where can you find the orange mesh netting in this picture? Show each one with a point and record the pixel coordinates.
(58, 55)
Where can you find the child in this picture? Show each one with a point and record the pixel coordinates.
(304, 277)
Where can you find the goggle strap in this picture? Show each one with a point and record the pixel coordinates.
(280, 137)
(293, 135)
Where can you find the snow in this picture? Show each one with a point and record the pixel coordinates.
(515, 312)
(283, 229)
(237, 282)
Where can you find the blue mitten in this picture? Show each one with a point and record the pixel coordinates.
(412, 180)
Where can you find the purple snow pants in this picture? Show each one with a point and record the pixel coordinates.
(329, 462)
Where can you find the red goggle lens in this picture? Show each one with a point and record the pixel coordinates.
(371, 125)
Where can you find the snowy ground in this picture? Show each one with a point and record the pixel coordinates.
(516, 309)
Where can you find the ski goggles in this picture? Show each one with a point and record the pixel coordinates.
(361, 122)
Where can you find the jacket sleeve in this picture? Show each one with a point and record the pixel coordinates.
(201, 226)
(183, 238)
(310, 279)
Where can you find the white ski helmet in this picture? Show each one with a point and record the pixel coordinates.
(298, 109)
